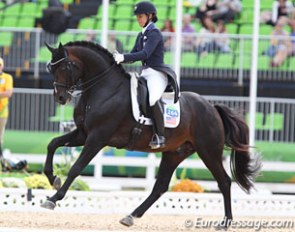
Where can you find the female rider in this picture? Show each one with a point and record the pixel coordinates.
(149, 49)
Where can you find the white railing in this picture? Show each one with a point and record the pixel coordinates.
(171, 203)
(151, 163)
(33, 109)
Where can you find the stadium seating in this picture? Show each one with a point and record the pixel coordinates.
(121, 18)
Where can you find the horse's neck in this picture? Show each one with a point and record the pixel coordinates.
(106, 82)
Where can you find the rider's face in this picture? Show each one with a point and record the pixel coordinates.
(141, 19)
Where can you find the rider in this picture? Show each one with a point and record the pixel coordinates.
(149, 49)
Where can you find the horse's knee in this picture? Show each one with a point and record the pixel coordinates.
(52, 146)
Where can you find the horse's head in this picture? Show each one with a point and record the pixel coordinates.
(65, 71)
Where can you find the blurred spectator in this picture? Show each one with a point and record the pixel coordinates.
(205, 8)
(222, 40)
(280, 44)
(91, 36)
(280, 8)
(188, 41)
(292, 37)
(54, 3)
(205, 40)
(227, 10)
(55, 19)
(167, 27)
(114, 44)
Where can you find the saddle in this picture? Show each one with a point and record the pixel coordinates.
(141, 107)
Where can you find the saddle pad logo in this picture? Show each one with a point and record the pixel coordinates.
(171, 115)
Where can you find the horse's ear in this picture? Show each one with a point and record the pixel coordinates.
(50, 48)
(62, 50)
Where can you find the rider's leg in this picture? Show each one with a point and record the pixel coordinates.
(158, 139)
(157, 83)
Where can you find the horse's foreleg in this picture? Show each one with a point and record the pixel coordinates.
(72, 139)
(169, 163)
(87, 154)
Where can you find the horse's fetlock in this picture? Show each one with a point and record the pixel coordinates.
(59, 195)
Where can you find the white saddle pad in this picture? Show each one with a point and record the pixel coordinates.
(171, 113)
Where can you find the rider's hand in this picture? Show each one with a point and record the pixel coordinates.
(119, 58)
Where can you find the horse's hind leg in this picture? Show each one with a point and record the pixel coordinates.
(213, 160)
(169, 162)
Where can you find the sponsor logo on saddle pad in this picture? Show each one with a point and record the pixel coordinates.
(171, 115)
(171, 110)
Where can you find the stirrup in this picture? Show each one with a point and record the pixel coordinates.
(157, 142)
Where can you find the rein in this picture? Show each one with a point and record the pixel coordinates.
(96, 80)
(70, 90)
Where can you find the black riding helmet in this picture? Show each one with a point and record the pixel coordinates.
(145, 7)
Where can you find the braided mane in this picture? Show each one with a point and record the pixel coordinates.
(95, 47)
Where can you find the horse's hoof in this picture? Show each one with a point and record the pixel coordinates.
(48, 205)
(127, 221)
(57, 183)
(224, 225)
(220, 227)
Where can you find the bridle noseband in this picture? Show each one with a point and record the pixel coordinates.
(82, 87)
(69, 67)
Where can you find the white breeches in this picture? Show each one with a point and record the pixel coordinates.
(156, 83)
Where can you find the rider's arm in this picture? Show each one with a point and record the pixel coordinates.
(154, 37)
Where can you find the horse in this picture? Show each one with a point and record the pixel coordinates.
(103, 117)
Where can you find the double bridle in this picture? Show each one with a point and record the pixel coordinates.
(77, 86)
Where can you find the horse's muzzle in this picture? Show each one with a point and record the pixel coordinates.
(62, 98)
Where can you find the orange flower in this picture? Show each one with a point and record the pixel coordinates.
(187, 185)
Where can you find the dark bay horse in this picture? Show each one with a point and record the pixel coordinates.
(103, 117)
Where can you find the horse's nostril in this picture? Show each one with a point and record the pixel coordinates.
(60, 98)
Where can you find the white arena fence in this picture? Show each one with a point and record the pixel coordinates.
(28, 53)
(36, 110)
(100, 182)
(171, 203)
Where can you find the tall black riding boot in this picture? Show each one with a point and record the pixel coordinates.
(158, 139)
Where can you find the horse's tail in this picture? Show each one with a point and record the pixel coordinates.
(244, 168)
